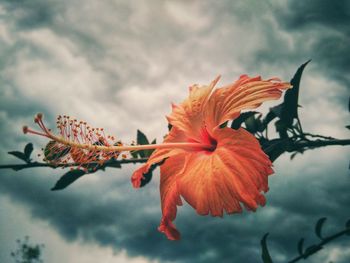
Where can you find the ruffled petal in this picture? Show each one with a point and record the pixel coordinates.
(246, 93)
(234, 174)
(169, 194)
(188, 116)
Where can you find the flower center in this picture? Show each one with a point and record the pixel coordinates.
(207, 139)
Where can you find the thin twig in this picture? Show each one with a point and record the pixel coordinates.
(319, 246)
(111, 163)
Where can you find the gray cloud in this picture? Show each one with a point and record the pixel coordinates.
(311, 29)
(100, 61)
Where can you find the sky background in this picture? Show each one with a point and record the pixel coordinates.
(119, 65)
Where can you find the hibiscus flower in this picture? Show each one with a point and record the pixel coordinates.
(216, 170)
(230, 169)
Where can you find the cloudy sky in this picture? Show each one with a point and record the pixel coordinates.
(119, 65)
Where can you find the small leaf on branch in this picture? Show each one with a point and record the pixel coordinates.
(28, 149)
(274, 148)
(149, 152)
(253, 124)
(318, 227)
(270, 116)
(19, 155)
(141, 140)
(236, 124)
(347, 226)
(301, 246)
(265, 255)
(287, 111)
(67, 179)
(290, 103)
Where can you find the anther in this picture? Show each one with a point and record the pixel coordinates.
(25, 129)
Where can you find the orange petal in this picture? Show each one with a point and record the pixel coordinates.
(235, 173)
(170, 197)
(246, 93)
(215, 182)
(188, 115)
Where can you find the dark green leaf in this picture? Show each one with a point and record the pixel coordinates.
(281, 128)
(269, 117)
(347, 126)
(149, 152)
(293, 155)
(289, 109)
(223, 125)
(347, 226)
(54, 151)
(141, 140)
(301, 246)
(253, 124)
(67, 179)
(274, 148)
(28, 149)
(265, 255)
(134, 154)
(318, 227)
(19, 155)
(236, 124)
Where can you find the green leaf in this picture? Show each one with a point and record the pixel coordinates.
(318, 227)
(28, 149)
(149, 152)
(281, 128)
(274, 148)
(141, 140)
(236, 124)
(253, 124)
(270, 116)
(134, 154)
(223, 125)
(347, 226)
(301, 246)
(289, 109)
(54, 151)
(67, 179)
(265, 255)
(19, 155)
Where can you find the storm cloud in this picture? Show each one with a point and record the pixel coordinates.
(118, 65)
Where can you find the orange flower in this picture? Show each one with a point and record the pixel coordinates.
(214, 169)
(229, 169)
